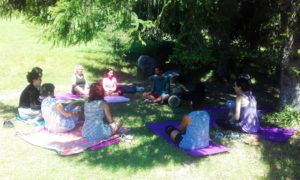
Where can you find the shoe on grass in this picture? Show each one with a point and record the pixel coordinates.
(8, 124)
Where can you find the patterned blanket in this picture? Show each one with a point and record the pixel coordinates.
(68, 143)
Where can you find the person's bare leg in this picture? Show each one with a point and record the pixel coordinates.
(146, 94)
(161, 99)
(157, 100)
(166, 97)
(79, 90)
(115, 126)
(149, 97)
(174, 134)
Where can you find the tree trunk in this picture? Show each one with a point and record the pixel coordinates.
(223, 64)
(290, 63)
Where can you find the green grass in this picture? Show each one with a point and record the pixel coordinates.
(147, 157)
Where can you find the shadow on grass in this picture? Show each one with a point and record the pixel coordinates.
(7, 111)
(147, 149)
(150, 151)
(283, 160)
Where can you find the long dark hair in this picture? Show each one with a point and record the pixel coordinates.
(197, 96)
(244, 81)
(96, 92)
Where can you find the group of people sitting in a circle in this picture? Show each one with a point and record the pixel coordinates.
(38, 101)
(109, 83)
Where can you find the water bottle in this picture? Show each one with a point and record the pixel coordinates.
(230, 104)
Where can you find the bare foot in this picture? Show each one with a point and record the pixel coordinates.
(252, 140)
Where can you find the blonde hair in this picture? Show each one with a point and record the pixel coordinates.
(78, 66)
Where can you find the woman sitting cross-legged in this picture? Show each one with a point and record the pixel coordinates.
(57, 117)
(243, 117)
(193, 132)
(161, 87)
(111, 86)
(30, 104)
(95, 109)
(79, 82)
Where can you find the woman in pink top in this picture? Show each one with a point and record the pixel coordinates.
(109, 83)
(111, 87)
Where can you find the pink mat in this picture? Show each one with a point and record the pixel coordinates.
(68, 143)
(68, 96)
(213, 148)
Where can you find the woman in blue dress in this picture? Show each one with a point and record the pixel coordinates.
(95, 109)
(193, 131)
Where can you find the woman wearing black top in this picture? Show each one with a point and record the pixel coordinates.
(79, 82)
(29, 104)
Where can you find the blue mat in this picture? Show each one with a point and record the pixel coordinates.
(24, 120)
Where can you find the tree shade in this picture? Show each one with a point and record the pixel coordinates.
(230, 36)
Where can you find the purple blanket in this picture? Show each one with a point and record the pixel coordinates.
(213, 148)
(268, 133)
(68, 96)
(108, 99)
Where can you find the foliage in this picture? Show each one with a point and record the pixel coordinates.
(288, 117)
(202, 32)
(35, 10)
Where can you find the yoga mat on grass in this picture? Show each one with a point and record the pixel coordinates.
(68, 96)
(68, 143)
(116, 99)
(213, 148)
(108, 99)
(275, 134)
(269, 133)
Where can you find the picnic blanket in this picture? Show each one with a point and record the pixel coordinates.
(68, 143)
(269, 133)
(213, 148)
(108, 99)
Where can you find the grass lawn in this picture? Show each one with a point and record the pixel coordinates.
(147, 157)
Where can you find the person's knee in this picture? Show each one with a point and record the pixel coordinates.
(119, 124)
(165, 97)
(78, 89)
(115, 126)
(169, 129)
